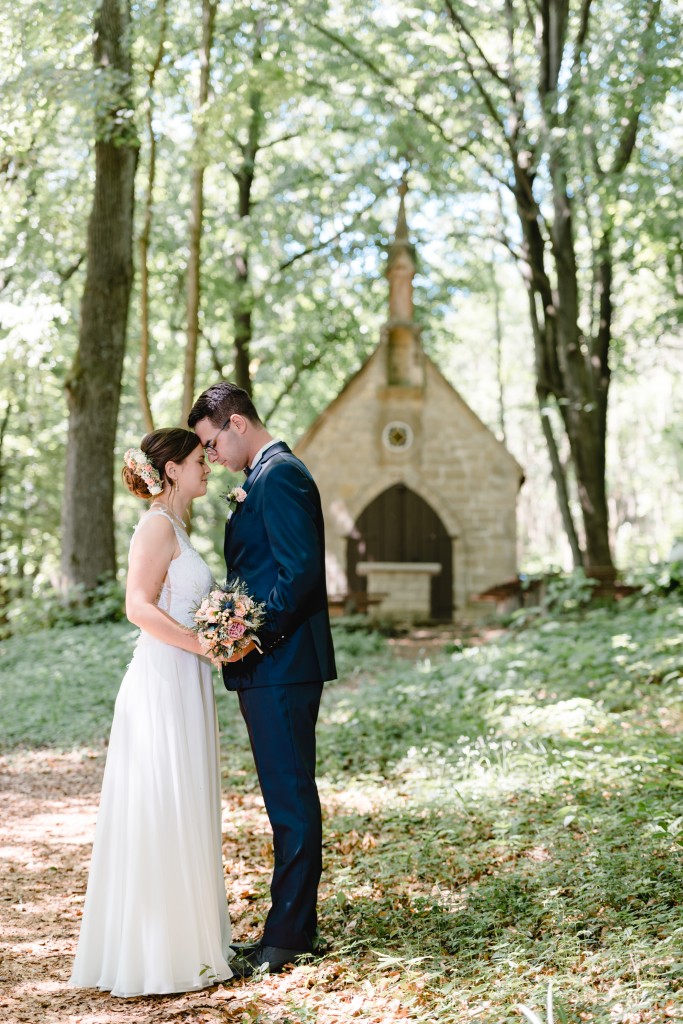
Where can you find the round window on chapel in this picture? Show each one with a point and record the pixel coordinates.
(397, 436)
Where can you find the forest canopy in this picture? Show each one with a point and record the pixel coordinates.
(202, 189)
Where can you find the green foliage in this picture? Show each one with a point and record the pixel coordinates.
(50, 609)
(355, 648)
(58, 686)
(348, 98)
(521, 817)
(663, 578)
(567, 592)
(496, 816)
(61, 669)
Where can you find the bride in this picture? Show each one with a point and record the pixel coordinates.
(156, 916)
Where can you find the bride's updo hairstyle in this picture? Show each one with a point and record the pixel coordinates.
(144, 472)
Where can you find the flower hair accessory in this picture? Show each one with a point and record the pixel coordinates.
(136, 460)
(234, 498)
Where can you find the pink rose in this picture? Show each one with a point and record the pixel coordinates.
(236, 630)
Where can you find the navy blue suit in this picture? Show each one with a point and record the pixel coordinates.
(275, 543)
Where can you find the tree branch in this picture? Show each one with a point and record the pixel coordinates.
(554, 14)
(488, 101)
(406, 101)
(216, 361)
(530, 13)
(282, 138)
(460, 24)
(66, 275)
(516, 118)
(502, 238)
(309, 250)
(559, 476)
(479, 86)
(627, 142)
(579, 44)
(299, 371)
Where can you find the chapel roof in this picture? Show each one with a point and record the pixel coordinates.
(401, 251)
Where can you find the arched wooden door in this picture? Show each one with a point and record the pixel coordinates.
(399, 526)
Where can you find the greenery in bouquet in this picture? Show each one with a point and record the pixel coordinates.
(227, 621)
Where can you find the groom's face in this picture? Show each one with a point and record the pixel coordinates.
(223, 443)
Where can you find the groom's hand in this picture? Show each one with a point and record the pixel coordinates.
(251, 646)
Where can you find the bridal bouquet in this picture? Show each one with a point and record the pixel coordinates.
(227, 620)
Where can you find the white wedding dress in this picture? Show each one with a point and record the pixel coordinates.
(156, 917)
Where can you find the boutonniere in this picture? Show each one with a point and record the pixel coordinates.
(234, 498)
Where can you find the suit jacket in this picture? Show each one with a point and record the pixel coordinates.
(275, 543)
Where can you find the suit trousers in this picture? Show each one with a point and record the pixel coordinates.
(281, 723)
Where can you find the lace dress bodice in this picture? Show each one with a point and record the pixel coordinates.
(188, 579)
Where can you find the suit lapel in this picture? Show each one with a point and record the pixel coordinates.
(274, 449)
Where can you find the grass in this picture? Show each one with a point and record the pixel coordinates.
(499, 817)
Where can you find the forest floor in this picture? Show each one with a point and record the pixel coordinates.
(499, 817)
(49, 809)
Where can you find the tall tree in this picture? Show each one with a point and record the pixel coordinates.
(273, 141)
(146, 232)
(197, 208)
(572, 331)
(538, 94)
(244, 173)
(94, 383)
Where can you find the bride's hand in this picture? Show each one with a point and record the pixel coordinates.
(205, 651)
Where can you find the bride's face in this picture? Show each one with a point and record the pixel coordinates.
(193, 473)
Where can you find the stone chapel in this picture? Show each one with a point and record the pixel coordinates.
(419, 496)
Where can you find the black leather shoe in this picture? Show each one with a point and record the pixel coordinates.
(266, 960)
(244, 948)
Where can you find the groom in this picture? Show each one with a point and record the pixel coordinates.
(274, 542)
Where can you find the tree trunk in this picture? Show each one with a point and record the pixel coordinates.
(146, 232)
(94, 386)
(243, 304)
(560, 480)
(584, 394)
(564, 367)
(563, 370)
(197, 213)
(499, 352)
(543, 316)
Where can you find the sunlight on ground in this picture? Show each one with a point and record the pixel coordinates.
(494, 818)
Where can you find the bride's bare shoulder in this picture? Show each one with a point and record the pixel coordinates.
(153, 528)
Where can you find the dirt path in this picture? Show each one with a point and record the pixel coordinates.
(49, 806)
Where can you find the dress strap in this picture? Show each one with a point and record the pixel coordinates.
(178, 526)
(180, 534)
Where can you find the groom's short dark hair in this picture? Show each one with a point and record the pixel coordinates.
(221, 401)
